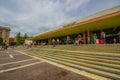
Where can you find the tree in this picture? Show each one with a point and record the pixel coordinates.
(1, 39)
(18, 38)
(25, 36)
(13, 43)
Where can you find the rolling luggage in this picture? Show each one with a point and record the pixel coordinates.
(101, 41)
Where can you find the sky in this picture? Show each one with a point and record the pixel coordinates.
(37, 16)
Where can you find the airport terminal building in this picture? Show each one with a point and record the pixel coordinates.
(107, 21)
(5, 34)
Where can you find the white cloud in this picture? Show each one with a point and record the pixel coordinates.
(34, 16)
(74, 4)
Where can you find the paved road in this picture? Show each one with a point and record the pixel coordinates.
(17, 66)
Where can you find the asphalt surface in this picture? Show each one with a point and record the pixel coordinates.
(17, 66)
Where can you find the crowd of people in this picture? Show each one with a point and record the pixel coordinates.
(3, 48)
(95, 39)
(102, 39)
(30, 44)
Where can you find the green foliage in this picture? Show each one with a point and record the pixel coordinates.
(13, 43)
(25, 36)
(20, 39)
(1, 39)
(18, 35)
(2, 44)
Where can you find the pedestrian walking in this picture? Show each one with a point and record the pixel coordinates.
(103, 38)
(53, 42)
(80, 39)
(95, 38)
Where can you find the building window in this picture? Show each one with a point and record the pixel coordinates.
(6, 34)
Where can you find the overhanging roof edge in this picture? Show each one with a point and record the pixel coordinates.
(114, 10)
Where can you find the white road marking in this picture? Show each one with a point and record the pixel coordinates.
(15, 68)
(17, 62)
(17, 54)
(81, 72)
(11, 56)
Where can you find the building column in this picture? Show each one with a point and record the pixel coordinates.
(49, 41)
(88, 37)
(84, 38)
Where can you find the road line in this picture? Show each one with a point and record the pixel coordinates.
(15, 68)
(11, 56)
(17, 62)
(17, 54)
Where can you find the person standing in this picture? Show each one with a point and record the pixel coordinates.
(5, 47)
(80, 39)
(58, 42)
(53, 42)
(114, 40)
(103, 37)
(68, 39)
(95, 38)
(29, 45)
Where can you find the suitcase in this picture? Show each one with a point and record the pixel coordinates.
(101, 41)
